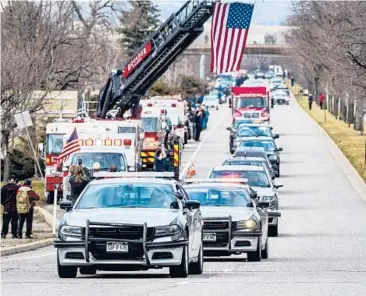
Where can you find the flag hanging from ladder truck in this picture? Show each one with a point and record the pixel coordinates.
(229, 32)
(72, 145)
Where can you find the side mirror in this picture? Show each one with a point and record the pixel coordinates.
(278, 186)
(66, 205)
(174, 205)
(273, 177)
(228, 128)
(192, 204)
(276, 136)
(280, 149)
(178, 195)
(253, 195)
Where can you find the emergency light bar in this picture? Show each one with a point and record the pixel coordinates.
(216, 180)
(133, 174)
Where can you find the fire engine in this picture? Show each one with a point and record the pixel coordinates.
(251, 103)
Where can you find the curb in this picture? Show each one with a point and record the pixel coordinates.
(348, 169)
(47, 216)
(26, 247)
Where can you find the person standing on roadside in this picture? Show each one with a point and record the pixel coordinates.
(159, 163)
(310, 101)
(78, 182)
(321, 100)
(10, 215)
(198, 121)
(26, 198)
(292, 81)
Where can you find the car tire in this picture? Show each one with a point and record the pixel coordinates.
(89, 270)
(181, 271)
(66, 272)
(273, 230)
(256, 255)
(265, 251)
(197, 267)
(50, 197)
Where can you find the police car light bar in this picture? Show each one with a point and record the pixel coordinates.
(133, 175)
(216, 180)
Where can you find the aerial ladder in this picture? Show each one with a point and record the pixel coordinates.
(128, 84)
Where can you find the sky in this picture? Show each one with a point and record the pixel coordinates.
(266, 12)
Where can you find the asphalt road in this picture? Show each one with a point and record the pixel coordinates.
(321, 248)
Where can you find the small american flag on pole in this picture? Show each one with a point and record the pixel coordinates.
(72, 145)
(229, 32)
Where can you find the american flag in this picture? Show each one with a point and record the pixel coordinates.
(72, 145)
(230, 27)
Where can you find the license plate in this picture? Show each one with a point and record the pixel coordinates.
(210, 237)
(117, 247)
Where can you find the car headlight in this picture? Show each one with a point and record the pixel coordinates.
(249, 224)
(169, 230)
(272, 157)
(70, 232)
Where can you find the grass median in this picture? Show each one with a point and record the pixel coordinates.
(347, 139)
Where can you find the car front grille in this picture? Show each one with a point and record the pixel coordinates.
(135, 252)
(127, 232)
(208, 225)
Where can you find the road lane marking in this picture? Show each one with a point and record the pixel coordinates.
(6, 259)
(198, 149)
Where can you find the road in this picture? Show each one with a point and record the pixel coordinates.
(321, 249)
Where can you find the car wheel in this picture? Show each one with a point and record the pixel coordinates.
(88, 270)
(181, 271)
(265, 251)
(50, 197)
(66, 272)
(273, 230)
(257, 254)
(185, 138)
(197, 267)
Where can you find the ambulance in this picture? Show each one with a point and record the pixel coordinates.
(127, 133)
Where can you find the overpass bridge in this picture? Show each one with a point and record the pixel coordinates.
(250, 49)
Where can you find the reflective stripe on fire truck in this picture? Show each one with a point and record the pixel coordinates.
(148, 160)
(176, 155)
(147, 154)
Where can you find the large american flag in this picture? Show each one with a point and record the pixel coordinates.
(72, 145)
(229, 32)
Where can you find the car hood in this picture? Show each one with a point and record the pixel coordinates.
(153, 217)
(236, 213)
(263, 191)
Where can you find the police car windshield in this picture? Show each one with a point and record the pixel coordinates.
(255, 178)
(150, 124)
(105, 159)
(251, 102)
(267, 145)
(220, 196)
(128, 195)
(54, 143)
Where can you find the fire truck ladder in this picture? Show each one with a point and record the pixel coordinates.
(123, 92)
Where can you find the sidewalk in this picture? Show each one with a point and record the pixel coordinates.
(41, 231)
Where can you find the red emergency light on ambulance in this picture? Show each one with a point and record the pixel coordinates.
(251, 103)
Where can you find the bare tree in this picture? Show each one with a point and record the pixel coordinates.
(270, 39)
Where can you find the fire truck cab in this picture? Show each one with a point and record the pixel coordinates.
(251, 103)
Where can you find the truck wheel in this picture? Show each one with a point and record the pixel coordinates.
(66, 272)
(197, 267)
(181, 271)
(257, 254)
(50, 197)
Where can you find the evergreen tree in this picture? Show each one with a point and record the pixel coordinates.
(137, 24)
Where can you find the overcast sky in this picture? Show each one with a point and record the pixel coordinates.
(266, 12)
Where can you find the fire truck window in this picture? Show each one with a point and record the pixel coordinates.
(126, 130)
(251, 102)
(150, 124)
(54, 144)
